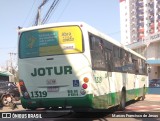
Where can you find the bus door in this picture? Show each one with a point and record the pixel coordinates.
(136, 82)
(108, 75)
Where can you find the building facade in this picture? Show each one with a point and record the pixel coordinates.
(140, 30)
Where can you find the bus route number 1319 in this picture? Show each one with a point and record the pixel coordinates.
(38, 94)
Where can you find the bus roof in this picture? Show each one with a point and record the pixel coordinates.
(86, 27)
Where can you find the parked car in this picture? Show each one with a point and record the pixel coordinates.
(8, 92)
(154, 83)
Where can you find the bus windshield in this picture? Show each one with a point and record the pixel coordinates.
(50, 41)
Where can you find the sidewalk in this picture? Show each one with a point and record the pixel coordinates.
(152, 97)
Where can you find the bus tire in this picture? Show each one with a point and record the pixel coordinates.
(6, 100)
(122, 101)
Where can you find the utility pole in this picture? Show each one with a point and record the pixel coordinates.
(10, 62)
(10, 65)
(38, 20)
(38, 17)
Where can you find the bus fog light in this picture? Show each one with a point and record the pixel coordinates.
(83, 92)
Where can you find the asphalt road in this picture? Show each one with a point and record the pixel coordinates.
(149, 110)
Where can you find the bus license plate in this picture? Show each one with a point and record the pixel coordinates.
(52, 89)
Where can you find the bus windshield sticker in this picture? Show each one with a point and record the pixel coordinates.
(68, 46)
(48, 39)
(51, 41)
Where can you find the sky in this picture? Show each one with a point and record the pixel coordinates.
(104, 15)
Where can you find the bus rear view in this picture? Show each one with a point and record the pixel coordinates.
(54, 70)
(72, 65)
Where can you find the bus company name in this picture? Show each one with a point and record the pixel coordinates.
(52, 70)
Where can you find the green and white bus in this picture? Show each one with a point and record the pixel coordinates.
(74, 66)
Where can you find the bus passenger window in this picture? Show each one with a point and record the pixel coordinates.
(91, 40)
(116, 58)
(108, 58)
(97, 55)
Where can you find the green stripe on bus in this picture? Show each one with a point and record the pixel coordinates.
(88, 101)
(85, 101)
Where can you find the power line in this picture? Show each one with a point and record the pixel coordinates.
(43, 3)
(46, 17)
(63, 11)
(52, 7)
(38, 16)
(29, 12)
(34, 13)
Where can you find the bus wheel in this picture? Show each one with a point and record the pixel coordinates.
(122, 101)
(143, 96)
(6, 100)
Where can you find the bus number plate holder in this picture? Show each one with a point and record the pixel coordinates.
(52, 89)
